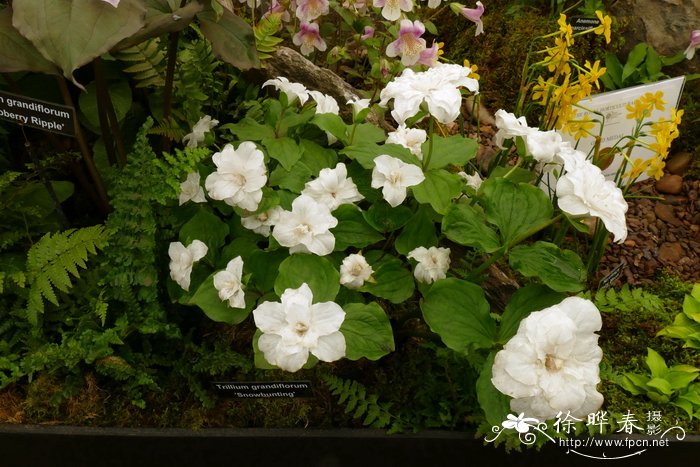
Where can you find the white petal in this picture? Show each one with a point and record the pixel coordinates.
(330, 347)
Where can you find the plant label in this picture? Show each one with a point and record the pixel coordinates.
(263, 389)
(583, 23)
(36, 113)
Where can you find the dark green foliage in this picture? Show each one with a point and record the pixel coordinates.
(145, 62)
(366, 407)
(174, 166)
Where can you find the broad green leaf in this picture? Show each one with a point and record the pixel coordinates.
(494, 403)
(205, 227)
(367, 331)
(420, 231)
(458, 312)
(231, 38)
(17, 53)
(515, 174)
(293, 119)
(292, 180)
(248, 129)
(456, 150)
(264, 266)
(119, 93)
(385, 219)
(532, 297)
(438, 189)
(333, 124)
(241, 246)
(71, 33)
(207, 298)
(679, 379)
(161, 18)
(561, 270)
(515, 209)
(653, 63)
(466, 225)
(317, 157)
(634, 60)
(634, 383)
(284, 150)
(614, 70)
(320, 275)
(661, 385)
(365, 153)
(656, 363)
(392, 280)
(365, 132)
(691, 304)
(352, 229)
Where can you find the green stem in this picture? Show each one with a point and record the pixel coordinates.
(426, 159)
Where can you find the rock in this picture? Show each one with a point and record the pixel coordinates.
(670, 184)
(671, 252)
(679, 163)
(665, 213)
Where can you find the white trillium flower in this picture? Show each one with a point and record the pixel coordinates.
(354, 271)
(394, 176)
(543, 145)
(291, 90)
(551, 364)
(473, 181)
(509, 126)
(239, 177)
(295, 327)
(438, 88)
(204, 125)
(325, 104)
(114, 3)
(358, 105)
(306, 228)
(262, 223)
(584, 191)
(183, 258)
(228, 283)
(191, 190)
(332, 187)
(433, 263)
(410, 138)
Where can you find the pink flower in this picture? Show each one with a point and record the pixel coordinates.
(473, 15)
(276, 7)
(308, 10)
(114, 3)
(694, 44)
(429, 57)
(369, 33)
(391, 9)
(308, 38)
(409, 45)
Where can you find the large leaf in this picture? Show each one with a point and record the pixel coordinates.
(16, 52)
(205, 227)
(495, 404)
(456, 150)
(161, 18)
(231, 38)
(119, 93)
(385, 219)
(514, 208)
(264, 266)
(532, 297)
(332, 124)
(420, 231)
(352, 229)
(248, 129)
(284, 150)
(438, 189)
(367, 331)
(466, 225)
(365, 153)
(392, 280)
(458, 312)
(562, 270)
(207, 298)
(320, 275)
(71, 33)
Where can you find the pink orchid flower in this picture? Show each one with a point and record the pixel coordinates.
(429, 57)
(474, 15)
(409, 45)
(694, 44)
(368, 33)
(309, 38)
(308, 10)
(391, 9)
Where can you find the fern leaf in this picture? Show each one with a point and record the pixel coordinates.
(148, 69)
(265, 39)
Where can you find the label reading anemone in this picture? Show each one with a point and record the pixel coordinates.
(263, 389)
(36, 113)
(581, 23)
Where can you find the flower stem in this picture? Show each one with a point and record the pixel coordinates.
(431, 130)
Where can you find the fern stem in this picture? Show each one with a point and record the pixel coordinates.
(105, 101)
(173, 41)
(107, 137)
(101, 200)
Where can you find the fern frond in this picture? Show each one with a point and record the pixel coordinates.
(175, 167)
(168, 128)
(265, 39)
(626, 299)
(367, 408)
(149, 67)
(53, 259)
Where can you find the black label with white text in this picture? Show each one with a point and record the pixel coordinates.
(263, 389)
(39, 114)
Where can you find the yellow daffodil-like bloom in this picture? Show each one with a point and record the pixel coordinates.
(474, 69)
(638, 166)
(638, 111)
(676, 116)
(579, 128)
(656, 169)
(541, 90)
(594, 72)
(565, 30)
(559, 57)
(604, 28)
(655, 100)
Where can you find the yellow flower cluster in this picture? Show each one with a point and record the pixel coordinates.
(563, 89)
(474, 69)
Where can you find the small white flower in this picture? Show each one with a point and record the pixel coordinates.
(410, 138)
(509, 126)
(438, 88)
(325, 104)
(473, 181)
(354, 271)
(394, 176)
(333, 188)
(239, 177)
(183, 258)
(551, 364)
(228, 283)
(358, 105)
(584, 191)
(191, 190)
(263, 222)
(294, 327)
(543, 145)
(433, 263)
(114, 3)
(204, 125)
(306, 228)
(292, 90)
(520, 423)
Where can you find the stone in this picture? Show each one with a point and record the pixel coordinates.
(678, 163)
(671, 252)
(665, 213)
(670, 184)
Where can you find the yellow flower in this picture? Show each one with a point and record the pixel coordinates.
(637, 111)
(638, 166)
(594, 72)
(676, 116)
(654, 100)
(579, 128)
(604, 28)
(656, 169)
(540, 91)
(565, 30)
(474, 68)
